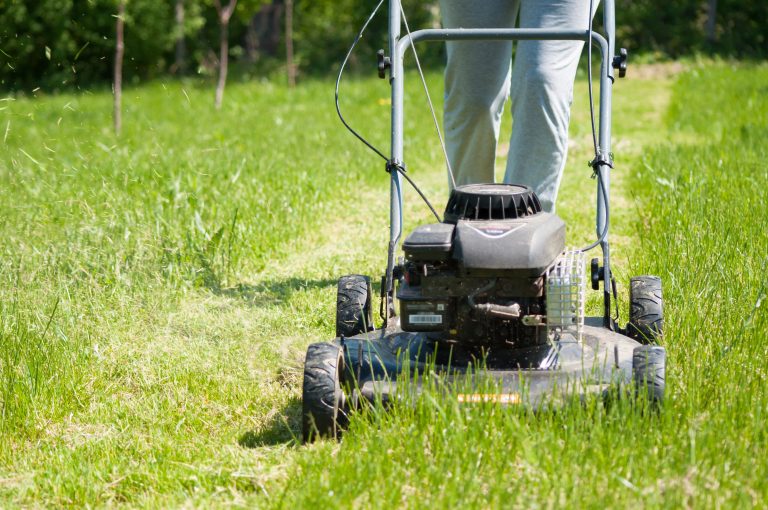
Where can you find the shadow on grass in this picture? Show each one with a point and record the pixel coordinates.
(272, 292)
(283, 428)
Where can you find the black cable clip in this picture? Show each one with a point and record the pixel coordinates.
(393, 165)
(602, 158)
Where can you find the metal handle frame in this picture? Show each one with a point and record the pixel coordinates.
(399, 45)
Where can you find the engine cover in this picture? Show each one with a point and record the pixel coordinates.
(521, 247)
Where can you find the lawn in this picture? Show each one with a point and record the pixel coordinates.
(158, 291)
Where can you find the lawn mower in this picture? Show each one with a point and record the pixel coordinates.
(489, 288)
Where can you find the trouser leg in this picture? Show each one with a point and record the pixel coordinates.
(477, 78)
(542, 93)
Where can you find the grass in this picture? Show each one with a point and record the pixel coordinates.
(159, 290)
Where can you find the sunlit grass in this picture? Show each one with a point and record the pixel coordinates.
(158, 292)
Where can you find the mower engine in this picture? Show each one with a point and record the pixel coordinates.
(495, 271)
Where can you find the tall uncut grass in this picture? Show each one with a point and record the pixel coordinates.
(144, 307)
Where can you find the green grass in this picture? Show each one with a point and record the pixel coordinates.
(157, 293)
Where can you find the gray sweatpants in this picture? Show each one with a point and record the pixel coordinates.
(478, 80)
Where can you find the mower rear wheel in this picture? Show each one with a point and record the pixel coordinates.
(324, 411)
(353, 305)
(646, 309)
(649, 367)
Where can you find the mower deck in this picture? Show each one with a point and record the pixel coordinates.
(533, 376)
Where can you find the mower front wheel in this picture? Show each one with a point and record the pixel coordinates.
(324, 412)
(353, 305)
(649, 372)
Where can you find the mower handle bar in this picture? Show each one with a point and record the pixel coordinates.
(487, 34)
(398, 46)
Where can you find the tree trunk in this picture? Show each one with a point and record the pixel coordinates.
(711, 17)
(118, 83)
(252, 36)
(180, 66)
(223, 62)
(291, 68)
(273, 33)
(224, 16)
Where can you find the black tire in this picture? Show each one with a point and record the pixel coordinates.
(646, 309)
(649, 367)
(353, 305)
(323, 403)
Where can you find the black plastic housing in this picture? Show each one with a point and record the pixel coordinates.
(525, 247)
(485, 202)
(429, 242)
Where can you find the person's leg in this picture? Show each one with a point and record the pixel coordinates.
(542, 93)
(476, 86)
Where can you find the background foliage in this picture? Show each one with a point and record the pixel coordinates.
(62, 44)
(678, 28)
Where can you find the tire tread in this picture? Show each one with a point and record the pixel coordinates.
(646, 309)
(323, 413)
(353, 305)
(649, 372)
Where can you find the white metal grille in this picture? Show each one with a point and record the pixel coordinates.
(566, 287)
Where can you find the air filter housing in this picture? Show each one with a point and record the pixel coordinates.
(484, 202)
